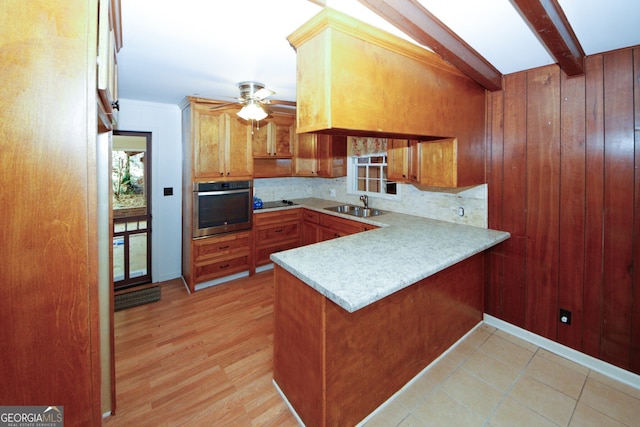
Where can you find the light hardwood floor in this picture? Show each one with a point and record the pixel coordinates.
(199, 360)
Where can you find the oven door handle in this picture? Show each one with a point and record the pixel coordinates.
(219, 192)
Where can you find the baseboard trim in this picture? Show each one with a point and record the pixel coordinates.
(612, 371)
(221, 280)
(286, 401)
(265, 267)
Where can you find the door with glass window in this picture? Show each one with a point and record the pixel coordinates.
(131, 189)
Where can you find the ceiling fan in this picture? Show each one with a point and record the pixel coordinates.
(254, 100)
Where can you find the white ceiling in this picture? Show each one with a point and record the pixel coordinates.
(172, 49)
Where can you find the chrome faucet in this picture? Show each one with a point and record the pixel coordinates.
(365, 199)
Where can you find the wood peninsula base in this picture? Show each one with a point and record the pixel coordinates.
(336, 367)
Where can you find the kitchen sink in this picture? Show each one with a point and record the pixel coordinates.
(356, 210)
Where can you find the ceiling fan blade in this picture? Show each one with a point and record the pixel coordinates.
(263, 93)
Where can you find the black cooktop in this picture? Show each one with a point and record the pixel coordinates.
(277, 204)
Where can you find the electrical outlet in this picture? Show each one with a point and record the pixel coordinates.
(565, 316)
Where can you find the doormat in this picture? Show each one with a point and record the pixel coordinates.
(134, 298)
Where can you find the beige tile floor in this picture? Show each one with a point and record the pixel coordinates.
(494, 379)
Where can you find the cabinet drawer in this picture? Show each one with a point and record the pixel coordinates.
(215, 247)
(311, 216)
(340, 225)
(277, 233)
(262, 253)
(205, 271)
(276, 217)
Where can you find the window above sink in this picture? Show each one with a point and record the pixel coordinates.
(367, 175)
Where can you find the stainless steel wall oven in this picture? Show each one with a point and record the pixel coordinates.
(222, 207)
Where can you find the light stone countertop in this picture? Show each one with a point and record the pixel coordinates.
(360, 269)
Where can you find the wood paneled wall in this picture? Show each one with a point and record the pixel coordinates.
(564, 180)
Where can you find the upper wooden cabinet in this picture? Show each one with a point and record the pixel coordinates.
(320, 155)
(216, 143)
(355, 79)
(109, 44)
(428, 164)
(272, 146)
(272, 139)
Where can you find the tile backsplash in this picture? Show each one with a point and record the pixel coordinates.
(442, 205)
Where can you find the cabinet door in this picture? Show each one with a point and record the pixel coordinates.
(310, 227)
(282, 135)
(273, 137)
(398, 160)
(260, 139)
(438, 163)
(238, 155)
(331, 154)
(305, 162)
(333, 226)
(109, 43)
(208, 146)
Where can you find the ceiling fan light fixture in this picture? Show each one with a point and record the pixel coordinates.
(252, 111)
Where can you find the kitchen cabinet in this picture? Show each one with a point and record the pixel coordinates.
(273, 138)
(423, 163)
(399, 166)
(320, 155)
(109, 44)
(275, 231)
(333, 227)
(216, 143)
(344, 86)
(310, 227)
(219, 256)
(272, 144)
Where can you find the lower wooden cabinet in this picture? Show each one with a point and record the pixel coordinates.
(220, 256)
(332, 227)
(317, 227)
(227, 254)
(310, 227)
(274, 232)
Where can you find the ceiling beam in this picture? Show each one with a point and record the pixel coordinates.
(548, 21)
(414, 20)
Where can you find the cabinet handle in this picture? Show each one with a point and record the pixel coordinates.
(224, 266)
(279, 230)
(221, 173)
(223, 247)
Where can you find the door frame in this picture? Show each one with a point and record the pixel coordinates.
(129, 282)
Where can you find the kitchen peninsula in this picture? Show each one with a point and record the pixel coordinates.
(358, 317)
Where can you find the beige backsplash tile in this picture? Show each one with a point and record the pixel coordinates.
(438, 204)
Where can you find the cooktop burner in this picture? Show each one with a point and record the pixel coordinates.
(277, 204)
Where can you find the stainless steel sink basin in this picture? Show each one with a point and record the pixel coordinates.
(356, 210)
